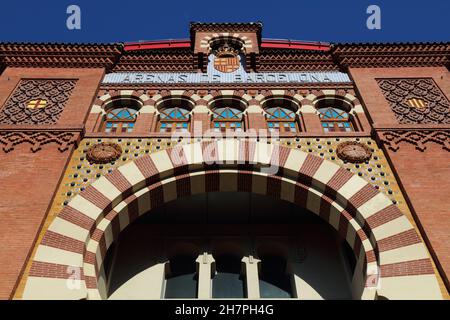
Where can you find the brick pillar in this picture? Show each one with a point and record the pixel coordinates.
(310, 119)
(94, 119)
(256, 119)
(201, 120)
(146, 121)
(361, 118)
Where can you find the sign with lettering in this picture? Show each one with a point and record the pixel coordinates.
(202, 78)
(214, 76)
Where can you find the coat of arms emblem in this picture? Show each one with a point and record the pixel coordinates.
(226, 59)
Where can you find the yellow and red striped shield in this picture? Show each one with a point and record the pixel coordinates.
(417, 103)
(226, 64)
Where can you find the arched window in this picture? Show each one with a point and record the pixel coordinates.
(280, 115)
(174, 119)
(181, 278)
(334, 115)
(228, 115)
(274, 282)
(228, 281)
(174, 115)
(120, 119)
(335, 120)
(281, 119)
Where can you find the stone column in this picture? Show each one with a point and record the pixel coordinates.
(251, 277)
(204, 271)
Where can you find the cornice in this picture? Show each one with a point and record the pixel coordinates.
(295, 60)
(379, 55)
(172, 60)
(59, 55)
(113, 56)
(220, 27)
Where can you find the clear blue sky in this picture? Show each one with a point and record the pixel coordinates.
(133, 20)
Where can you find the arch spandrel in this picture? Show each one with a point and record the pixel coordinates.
(365, 217)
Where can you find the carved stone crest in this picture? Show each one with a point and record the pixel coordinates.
(103, 152)
(354, 152)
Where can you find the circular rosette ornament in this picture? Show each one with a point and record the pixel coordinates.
(354, 152)
(103, 152)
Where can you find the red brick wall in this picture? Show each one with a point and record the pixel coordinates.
(424, 176)
(27, 185)
(29, 180)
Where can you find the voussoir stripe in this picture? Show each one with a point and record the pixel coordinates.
(383, 216)
(56, 240)
(309, 168)
(120, 182)
(399, 240)
(363, 195)
(50, 270)
(97, 198)
(148, 169)
(76, 217)
(407, 268)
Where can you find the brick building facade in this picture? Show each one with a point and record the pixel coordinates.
(96, 138)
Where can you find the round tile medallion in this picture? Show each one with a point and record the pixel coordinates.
(103, 152)
(354, 152)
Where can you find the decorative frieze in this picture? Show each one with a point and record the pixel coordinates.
(418, 138)
(38, 139)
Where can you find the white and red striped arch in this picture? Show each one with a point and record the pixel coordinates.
(381, 236)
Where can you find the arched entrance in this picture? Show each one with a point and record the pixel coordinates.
(391, 259)
(229, 245)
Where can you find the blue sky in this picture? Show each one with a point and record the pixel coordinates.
(133, 20)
